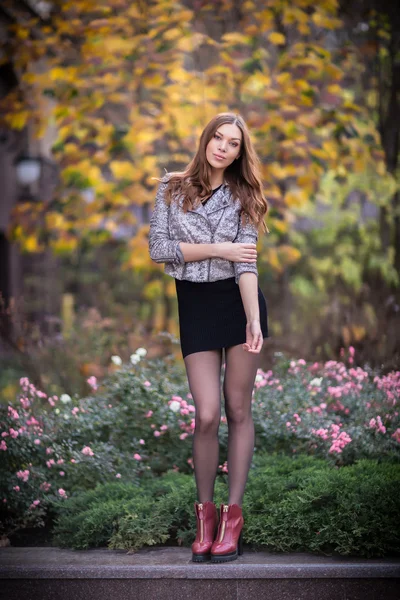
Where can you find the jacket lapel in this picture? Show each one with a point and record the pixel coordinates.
(218, 202)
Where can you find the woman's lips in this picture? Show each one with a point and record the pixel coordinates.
(219, 157)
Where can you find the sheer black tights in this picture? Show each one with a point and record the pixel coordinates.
(204, 377)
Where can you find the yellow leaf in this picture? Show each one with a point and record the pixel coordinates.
(17, 120)
(172, 34)
(278, 225)
(54, 220)
(334, 88)
(288, 254)
(277, 171)
(63, 245)
(295, 197)
(256, 83)
(30, 243)
(234, 37)
(273, 260)
(155, 80)
(278, 39)
(123, 169)
(116, 44)
(325, 21)
(303, 28)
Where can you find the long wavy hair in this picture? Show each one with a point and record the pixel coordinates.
(242, 175)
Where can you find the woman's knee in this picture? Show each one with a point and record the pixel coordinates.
(207, 422)
(237, 412)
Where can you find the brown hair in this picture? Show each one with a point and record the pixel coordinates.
(243, 175)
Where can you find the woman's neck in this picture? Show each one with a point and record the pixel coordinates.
(216, 181)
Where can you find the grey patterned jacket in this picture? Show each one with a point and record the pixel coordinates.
(214, 222)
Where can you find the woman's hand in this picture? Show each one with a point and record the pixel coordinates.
(236, 252)
(254, 337)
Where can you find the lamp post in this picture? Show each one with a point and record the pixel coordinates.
(31, 171)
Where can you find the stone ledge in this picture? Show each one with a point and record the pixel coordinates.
(160, 562)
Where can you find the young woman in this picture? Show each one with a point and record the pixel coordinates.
(204, 227)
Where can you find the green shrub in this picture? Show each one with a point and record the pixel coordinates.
(297, 503)
(138, 423)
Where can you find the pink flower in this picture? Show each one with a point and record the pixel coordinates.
(340, 442)
(157, 433)
(25, 402)
(37, 441)
(13, 413)
(92, 381)
(87, 451)
(183, 436)
(137, 456)
(396, 435)
(142, 442)
(3, 445)
(62, 473)
(377, 424)
(62, 493)
(118, 475)
(16, 488)
(164, 427)
(49, 450)
(50, 462)
(45, 486)
(322, 433)
(147, 383)
(24, 475)
(150, 412)
(224, 467)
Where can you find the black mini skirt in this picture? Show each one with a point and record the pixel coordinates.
(212, 315)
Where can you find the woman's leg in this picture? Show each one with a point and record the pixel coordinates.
(240, 373)
(204, 377)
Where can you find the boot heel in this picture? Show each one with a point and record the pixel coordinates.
(240, 544)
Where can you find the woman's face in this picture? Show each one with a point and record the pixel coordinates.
(225, 143)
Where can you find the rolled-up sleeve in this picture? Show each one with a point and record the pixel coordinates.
(247, 234)
(161, 248)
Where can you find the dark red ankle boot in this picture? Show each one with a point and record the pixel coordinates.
(207, 521)
(228, 544)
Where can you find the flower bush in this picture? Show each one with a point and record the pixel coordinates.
(138, 422)
(333, 410)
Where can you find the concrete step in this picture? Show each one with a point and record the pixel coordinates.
(47, 573)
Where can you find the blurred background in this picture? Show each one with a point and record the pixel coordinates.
(97, 99)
